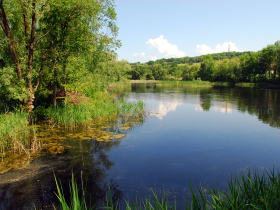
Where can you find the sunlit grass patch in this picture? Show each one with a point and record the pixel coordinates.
(71, 115)
(18, 143)
(195, 83)
(13, 126)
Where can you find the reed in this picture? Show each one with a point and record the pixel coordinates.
(126, 108)
(14, 127)
(250, 191)
(71, 115)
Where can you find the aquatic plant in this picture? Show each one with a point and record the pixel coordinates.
(126, 108)
(250, 191)
(14, 130)
(76, 203)
(71, 115)
(18, 142)
(13, 126)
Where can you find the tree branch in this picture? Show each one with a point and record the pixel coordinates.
(42, 66)
(2, 26)
(31, 47)
(6, 28)
(45, 34)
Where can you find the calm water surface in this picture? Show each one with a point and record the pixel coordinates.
(203, 134)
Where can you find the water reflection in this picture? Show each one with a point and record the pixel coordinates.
(162, 109)
(225, 108)
(90, 165)
(256, 101)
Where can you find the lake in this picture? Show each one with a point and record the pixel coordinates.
(202, 134)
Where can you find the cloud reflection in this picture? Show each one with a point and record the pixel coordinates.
(163, 108)
(223, 108)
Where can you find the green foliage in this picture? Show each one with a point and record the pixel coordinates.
(207, 68)
(159, 73)
(11, 89)
(139, 71)
(190, 72)
(65, 42)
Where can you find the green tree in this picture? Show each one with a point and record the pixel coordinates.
(207, 68)
(39, 36)
(268, 59)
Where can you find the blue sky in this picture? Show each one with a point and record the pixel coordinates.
(157, 29)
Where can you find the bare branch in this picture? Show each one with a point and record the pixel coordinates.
(45, 34)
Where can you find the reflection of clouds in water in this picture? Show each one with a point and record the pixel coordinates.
(198, 108)
(223, 108)
(163, 108)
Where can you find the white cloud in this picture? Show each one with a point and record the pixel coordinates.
(153, 58)
(165, 48)
(140, 55)
(143, 55)
(204, 49)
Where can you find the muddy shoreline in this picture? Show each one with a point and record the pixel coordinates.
(37, 167)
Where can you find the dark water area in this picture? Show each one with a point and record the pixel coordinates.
(204, 134)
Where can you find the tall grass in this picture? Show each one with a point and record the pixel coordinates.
(71, 115)
(14, 127)
(76, 203)
(126, 108)
(250, 191)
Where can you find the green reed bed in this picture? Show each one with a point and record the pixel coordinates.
(250, 191)
(195, 83)
(70, 115)
(126, 108)
(14, 127)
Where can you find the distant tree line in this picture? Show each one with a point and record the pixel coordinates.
(261, 66)
(198, 59)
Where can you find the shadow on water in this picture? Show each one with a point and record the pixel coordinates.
(91, 163)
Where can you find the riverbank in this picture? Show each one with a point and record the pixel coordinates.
(195, 83)
(21, 142)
